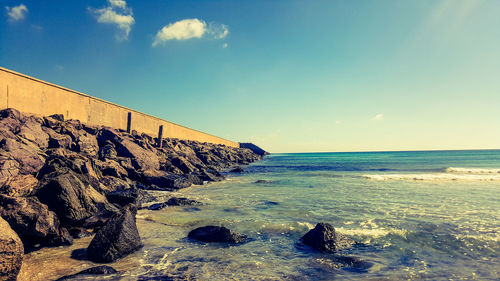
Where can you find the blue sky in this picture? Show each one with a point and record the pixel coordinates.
(291, 76)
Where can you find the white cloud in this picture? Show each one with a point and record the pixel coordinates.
(17, 13)
(116, 13)
(225, 45)
(189, 29)
(118, 3)
(378, 117)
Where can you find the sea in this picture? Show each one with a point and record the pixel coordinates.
(416, 215)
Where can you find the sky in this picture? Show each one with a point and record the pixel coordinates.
(290, 76)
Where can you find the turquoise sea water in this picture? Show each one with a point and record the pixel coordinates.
(417, 216)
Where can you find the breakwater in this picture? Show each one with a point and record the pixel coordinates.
(31, 95)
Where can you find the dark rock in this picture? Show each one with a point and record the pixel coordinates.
(165, 181)
(128, 196)
(11, 252)
(96, 270)
(237, 169)
(107, 151)
(181, 201)
(324, 238)
(112, 168)
(71, 199)
(157, 206)
(213, 233)
(263, 182)
(33, 221)
(119, 237)
(58, 117)
(174, 201)
(57, 140)
(79, 232)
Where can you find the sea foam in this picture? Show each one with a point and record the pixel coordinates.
(449, 174)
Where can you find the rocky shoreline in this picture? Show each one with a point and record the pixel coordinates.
(61, 179)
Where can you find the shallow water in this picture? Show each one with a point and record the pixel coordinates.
(415, 216)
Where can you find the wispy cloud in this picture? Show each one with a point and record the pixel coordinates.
(189, 29)
(116, 13)
(378, 117)
(225, 45)
(16, 13)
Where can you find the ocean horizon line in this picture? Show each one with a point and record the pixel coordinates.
(374, 151)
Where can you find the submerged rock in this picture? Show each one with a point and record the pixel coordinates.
(324, 238)
(96, 270)
(212, 233)
(11, 252)
(237, 169)
(174, 201)
(119, 237)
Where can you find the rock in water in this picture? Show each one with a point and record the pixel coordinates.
(11, 252)
(211, 233)
(117, 238)
(97, 270)
(237, 170)
(324, 238)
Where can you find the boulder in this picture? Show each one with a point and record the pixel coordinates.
(111, 168)
(183, 165)
(72, 199)
(117, 238)
(130, 196)
(213, 233)
(324, 238)
(87, 144)
(141, 158)
(31, 130)
(33, 221)
(28, 155)
(11, 252)
(164, 181)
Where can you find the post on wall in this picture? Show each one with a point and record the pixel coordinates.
(160, 136)
(129, 122)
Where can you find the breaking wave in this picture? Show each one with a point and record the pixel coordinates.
(448, 174)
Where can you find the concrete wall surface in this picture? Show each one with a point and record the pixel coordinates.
(31, 95)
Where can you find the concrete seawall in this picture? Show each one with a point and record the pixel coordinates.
(31, 95)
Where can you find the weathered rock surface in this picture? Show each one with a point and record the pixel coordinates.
(11, 252)
(33, 221)
(71, 199)
(324, 238)
(211, 233)
(118, 237)
(58, 174)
